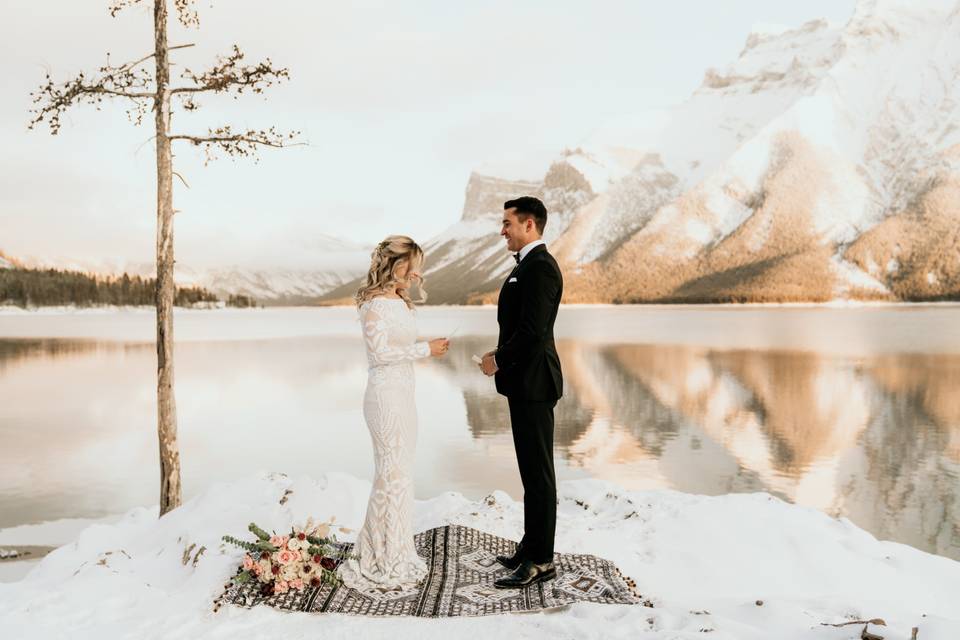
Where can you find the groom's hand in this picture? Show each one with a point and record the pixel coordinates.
(488, 365)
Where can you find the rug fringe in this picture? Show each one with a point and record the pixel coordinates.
(632, 585)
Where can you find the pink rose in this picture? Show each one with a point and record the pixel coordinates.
(280, 542)
(257, 569)
(248, 562)
(280, 587)
(296, 584)
(285, 556)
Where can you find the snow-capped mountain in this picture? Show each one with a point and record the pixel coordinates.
(277, 285)
(822, 163)
(836, 184)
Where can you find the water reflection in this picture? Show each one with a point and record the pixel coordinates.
(873, 439)
(876, 439)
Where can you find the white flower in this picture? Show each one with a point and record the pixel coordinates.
(266, 570)
(290, 572)
(293, 544)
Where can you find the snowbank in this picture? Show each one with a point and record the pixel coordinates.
(705, 562)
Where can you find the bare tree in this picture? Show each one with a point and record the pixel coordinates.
(144, 90)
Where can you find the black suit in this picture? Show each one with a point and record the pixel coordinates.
(529, 375)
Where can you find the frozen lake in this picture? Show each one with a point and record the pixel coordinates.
(851, 410)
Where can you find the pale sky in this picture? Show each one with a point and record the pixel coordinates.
(399, 101)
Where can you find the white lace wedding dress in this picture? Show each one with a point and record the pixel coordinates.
(388, 558)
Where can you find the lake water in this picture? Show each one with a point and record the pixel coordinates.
(854, 411)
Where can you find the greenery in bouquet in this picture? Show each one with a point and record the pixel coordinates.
(305, 557)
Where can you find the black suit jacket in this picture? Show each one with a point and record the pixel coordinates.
(527, 360)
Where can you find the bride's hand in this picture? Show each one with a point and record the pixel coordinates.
(439, 346)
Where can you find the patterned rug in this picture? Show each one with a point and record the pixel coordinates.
(461, 569)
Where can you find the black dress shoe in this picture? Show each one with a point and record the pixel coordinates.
(512, 562)
(527, 573)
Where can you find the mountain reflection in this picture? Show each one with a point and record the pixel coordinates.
(16, 351)
(876, 439)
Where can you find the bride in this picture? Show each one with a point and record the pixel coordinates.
(388, 558)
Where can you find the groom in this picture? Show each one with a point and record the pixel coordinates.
(527, 370)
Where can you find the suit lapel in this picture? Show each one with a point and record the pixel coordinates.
(540, 248)
(536, 251)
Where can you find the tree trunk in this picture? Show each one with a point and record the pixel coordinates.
(170, 494)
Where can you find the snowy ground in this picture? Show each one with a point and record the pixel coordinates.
(704, 561)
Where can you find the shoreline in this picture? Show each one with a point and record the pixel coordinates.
(832, 304)
(849, 330)
(24, 552)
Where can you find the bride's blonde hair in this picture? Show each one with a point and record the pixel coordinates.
(386, 257)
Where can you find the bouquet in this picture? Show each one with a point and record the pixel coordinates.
(306, 557)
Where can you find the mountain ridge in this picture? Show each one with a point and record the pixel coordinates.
(821, 164)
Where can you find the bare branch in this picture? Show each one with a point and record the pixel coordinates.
(874, 621)
(181, 179)
(51, 100)
(240, 144)
(230, 74)
(187, 15)
(137, 150)
(131, 65)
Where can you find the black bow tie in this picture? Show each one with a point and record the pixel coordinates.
(516, 257)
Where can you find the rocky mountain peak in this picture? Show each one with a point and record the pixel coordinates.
(485, 195)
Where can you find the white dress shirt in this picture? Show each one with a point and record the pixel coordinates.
(527, 248)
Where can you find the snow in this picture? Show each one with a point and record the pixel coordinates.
(612, 150)
(705, 562)
(54, 532)
(850, 275)
(600, 172)
(13, 571)
(698, 231)
(51, 533)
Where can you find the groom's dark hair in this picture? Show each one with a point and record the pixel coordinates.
(527, 207)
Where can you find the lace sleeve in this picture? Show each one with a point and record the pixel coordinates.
(376, 330)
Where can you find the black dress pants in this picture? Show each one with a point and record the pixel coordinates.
(532, 425)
